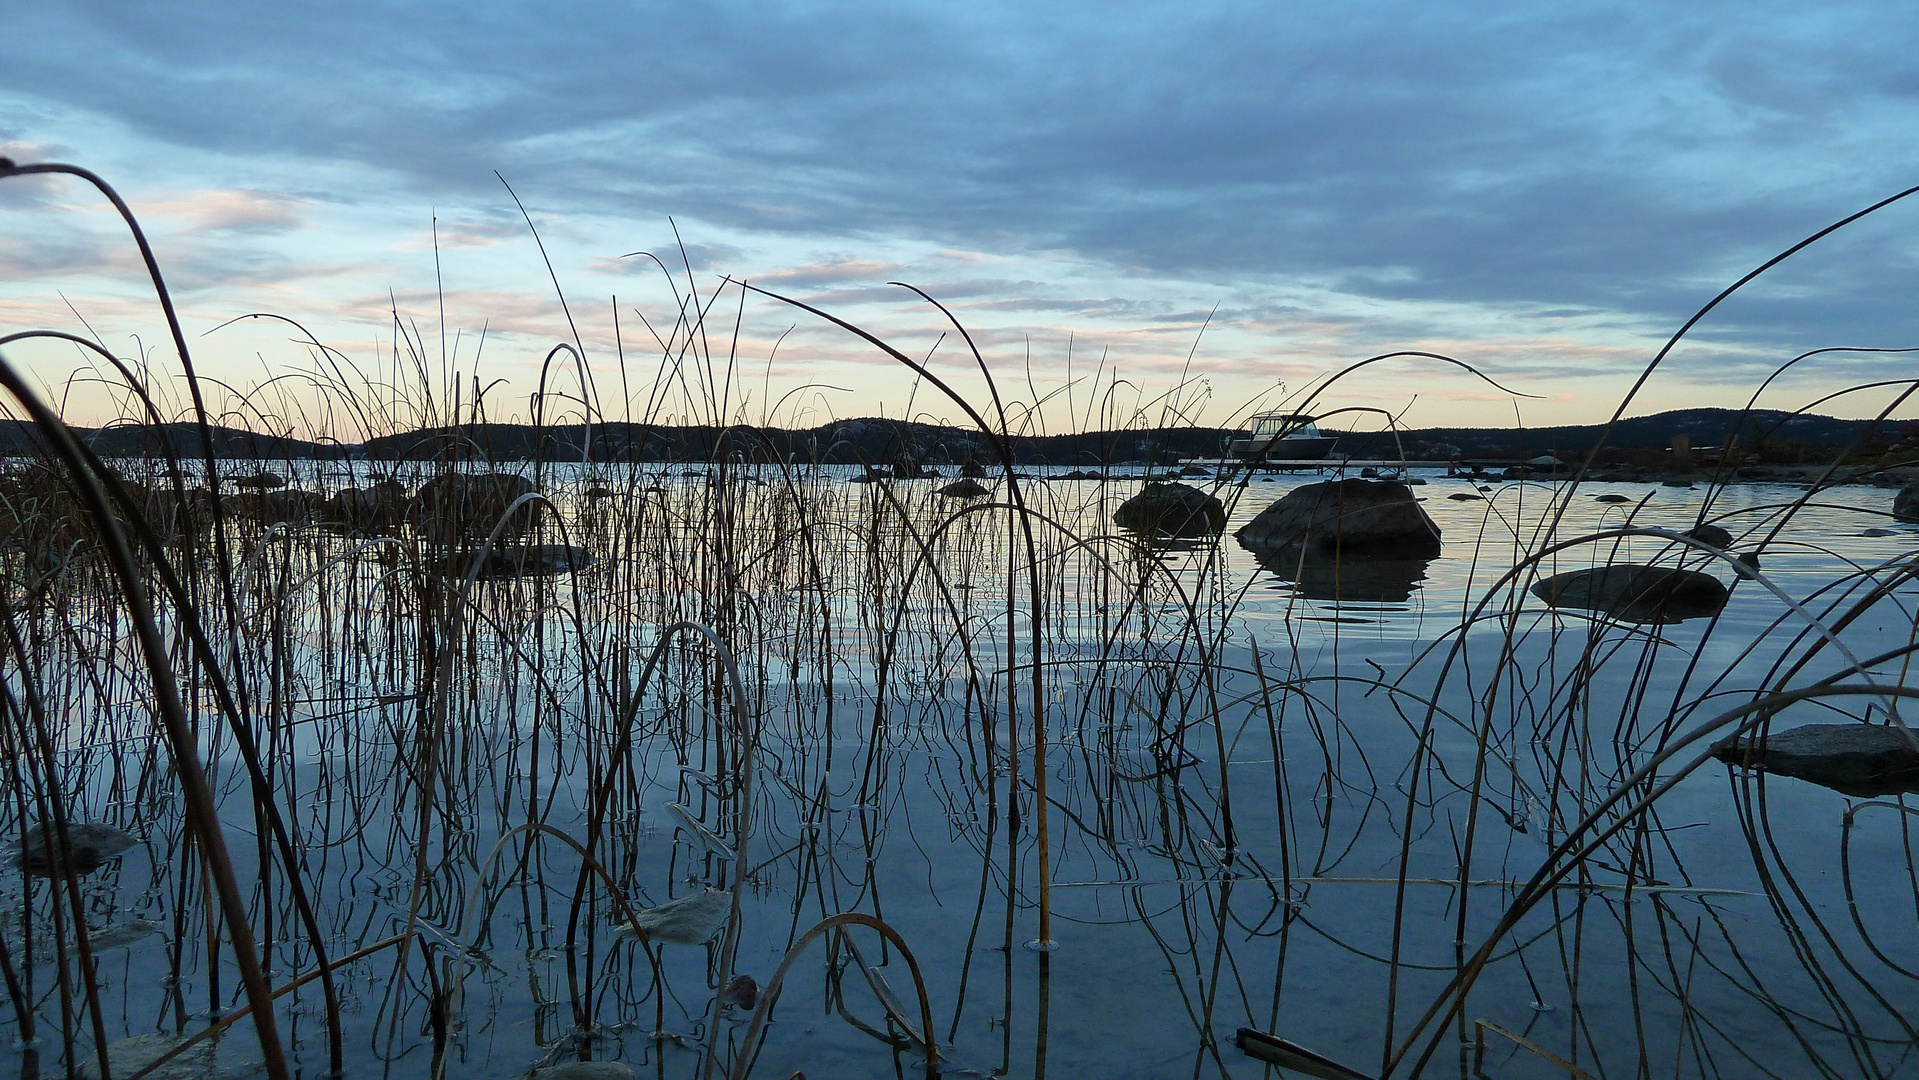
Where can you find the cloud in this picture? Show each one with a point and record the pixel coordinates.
(1405, 171)
(226, 211)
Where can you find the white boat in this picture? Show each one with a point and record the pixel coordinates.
(1281, 436)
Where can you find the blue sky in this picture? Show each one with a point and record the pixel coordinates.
(1545, 191)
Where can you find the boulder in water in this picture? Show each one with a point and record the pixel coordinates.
(1352, 518)
(965, 489)
(88, 848)
(1711, 534)
(1172, 510)
(1863, 760)
(1905, 505)
(452, 506)
(1633, 592)
(375, 509)
(259, 481)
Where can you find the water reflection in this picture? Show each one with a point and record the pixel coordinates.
(1318, 577)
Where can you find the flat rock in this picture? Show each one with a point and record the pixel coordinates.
(1611, 499)
(1864, 760)
(1172, 510)
(1633, 592)
(1349, 518)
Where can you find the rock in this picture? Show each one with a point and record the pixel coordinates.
(273, 507)
(375, 509)
(741, 992)
(1172, 510)
(1710, 534)
(259, 481)
(1677, 482)
(453, 506)
(232, 1056)
(1636, 593)
(1905, 505)
(1194, 470)
(1080, 474)
(523, 560)
(1517, 472)
(972, 470)
(1880, 532)
(89, 847)
(690, 920)
(1369, 473)
(1347, 518)
(1611, 499)
(585, 1070)
(1464, 496)
(965, 489)
(1863, 760)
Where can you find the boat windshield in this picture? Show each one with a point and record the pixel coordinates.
(1284, 426)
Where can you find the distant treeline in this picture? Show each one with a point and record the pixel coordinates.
(883, 442)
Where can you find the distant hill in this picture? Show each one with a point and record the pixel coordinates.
(881, 442)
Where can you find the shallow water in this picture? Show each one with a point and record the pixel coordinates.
(1238, 771)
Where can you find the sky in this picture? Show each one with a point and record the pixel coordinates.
(1139, 213)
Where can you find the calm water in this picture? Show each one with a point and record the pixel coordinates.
(1237, 767)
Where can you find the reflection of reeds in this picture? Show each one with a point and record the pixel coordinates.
(772, 684)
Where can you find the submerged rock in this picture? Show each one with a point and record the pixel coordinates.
(1350, 518)
(690, 920)
(1636, 593)
(1611, 499)
(1172, 510)
(1464, 496)
(232, 1056)
(1864, 760)
(741, 992)
(585, 1070)
(965, 489)
(88, 848)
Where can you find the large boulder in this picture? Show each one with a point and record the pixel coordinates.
(1864, 760)
(1350, 518)
(1633, 592)
(457, 506)
(1172, 510)
(1905, 505)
